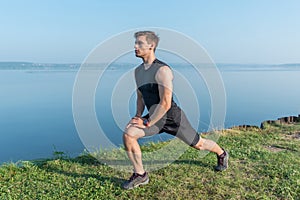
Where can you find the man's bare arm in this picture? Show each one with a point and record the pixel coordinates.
(140, 104)
(164, 78)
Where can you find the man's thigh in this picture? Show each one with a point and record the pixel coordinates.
(139, 132)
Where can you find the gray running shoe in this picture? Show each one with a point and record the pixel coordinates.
(222, 161)
(136, 180)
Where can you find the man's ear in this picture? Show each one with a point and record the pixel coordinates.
(151, 46)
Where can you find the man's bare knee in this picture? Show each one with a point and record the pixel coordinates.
(200, 144)
(133, 133)
(127, 136)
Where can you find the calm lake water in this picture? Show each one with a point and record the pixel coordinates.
(36, 107)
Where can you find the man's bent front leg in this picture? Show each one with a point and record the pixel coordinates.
(132, 147)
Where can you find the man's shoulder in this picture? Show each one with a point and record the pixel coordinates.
(161, 63)
(162, 66)
(164, 73)
(164, 70)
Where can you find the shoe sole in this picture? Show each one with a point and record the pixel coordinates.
(143, 183)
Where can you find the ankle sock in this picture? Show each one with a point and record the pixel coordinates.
(223, 154)
(141, 174)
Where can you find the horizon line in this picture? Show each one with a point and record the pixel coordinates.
(78, 63)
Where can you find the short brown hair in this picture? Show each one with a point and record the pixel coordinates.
(150, 37)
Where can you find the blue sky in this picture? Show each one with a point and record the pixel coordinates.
(62, 31)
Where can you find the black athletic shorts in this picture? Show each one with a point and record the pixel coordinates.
(175, 123)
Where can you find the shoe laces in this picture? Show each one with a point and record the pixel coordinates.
(221, 159)
(133, 176)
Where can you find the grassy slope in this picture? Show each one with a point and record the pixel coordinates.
(264, 164)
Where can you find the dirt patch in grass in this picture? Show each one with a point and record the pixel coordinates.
(294, 136)
(275, 149)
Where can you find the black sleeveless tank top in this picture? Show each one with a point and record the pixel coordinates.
(147, 85)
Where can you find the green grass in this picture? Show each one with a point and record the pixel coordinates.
(264, 164)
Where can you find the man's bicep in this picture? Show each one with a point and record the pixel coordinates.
(165, 93)
(164, 78)
(139, 94)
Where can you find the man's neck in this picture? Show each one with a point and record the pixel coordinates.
(148, 61)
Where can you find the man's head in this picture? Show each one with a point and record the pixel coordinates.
(145, 41)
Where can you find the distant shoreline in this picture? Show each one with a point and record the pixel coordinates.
(125, 65)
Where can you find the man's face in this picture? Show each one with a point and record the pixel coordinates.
(142, 48)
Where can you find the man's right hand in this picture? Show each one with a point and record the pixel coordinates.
(137, 122)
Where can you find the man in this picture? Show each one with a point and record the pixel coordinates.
(154, 90)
